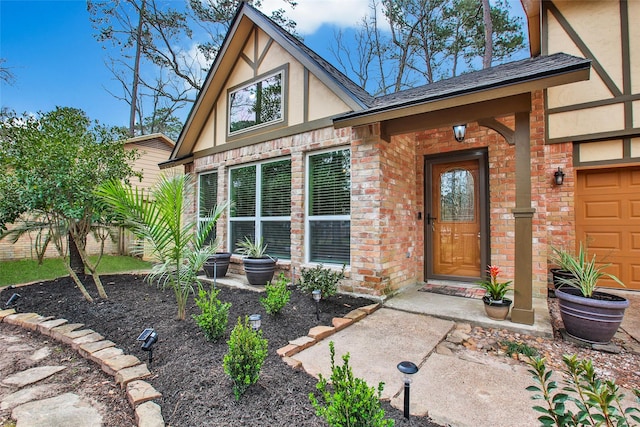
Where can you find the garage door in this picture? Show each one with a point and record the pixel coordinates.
(608, 219)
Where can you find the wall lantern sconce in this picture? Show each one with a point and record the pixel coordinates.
(459, 132)
(148, 337)
(408, 369)
(317, 295)
(255, 320)
(558, 176)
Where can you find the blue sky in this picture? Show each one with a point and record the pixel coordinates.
(50, 49)
(55, 60)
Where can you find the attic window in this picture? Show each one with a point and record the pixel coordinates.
(257, 104)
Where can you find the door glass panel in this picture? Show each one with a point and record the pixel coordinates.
(455, 227)
(457, 196)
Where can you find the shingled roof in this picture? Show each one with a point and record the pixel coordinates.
(526, 70)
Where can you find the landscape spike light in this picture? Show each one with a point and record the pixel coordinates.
(12, 301)
(255, 320)
(408, 369)
(148, 337)
(317, 296)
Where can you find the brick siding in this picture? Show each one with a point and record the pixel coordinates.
(387, 238)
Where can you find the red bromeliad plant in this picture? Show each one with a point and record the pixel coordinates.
(495, 290)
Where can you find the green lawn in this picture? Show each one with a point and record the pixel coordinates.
(24, 271)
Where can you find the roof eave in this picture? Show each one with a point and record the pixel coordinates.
(175, 162)
(457, 99)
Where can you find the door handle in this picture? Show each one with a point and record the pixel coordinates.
(432, 221)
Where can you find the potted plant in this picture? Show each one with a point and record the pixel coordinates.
(217, 265)
(258, 266)
(561, 258)
(588, 314)
(495, 304)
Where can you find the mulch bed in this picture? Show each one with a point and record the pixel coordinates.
(187, 368)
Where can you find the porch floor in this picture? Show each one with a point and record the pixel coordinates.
(470, 310)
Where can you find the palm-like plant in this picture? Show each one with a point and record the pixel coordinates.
(586, 271)
(177, 246)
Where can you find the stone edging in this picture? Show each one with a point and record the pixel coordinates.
(127, 370)
(318, 333)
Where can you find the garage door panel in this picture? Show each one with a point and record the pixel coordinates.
(634, 209)
(597, 180)
(608, 220)
(598, 241)
(602, 209)
(634, 281)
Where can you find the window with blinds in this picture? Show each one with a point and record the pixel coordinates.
(329, 207)
(261, 206)
(207, 201)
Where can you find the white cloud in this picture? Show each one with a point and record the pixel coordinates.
(309, 15)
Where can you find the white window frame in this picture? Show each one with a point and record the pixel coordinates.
(200, 218)
(257, 218)
(308, 218)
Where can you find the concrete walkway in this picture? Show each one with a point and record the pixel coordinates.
(464, 389)
(452, 391)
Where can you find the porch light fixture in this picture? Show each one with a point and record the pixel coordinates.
(317, 295)
(255, 320)
(408, 369)
(148, 337)
(558, 176)
(12, 301)
(459, 132)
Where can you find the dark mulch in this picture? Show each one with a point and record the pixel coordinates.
(188, 369)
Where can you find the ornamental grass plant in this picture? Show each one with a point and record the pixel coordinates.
(586, 271)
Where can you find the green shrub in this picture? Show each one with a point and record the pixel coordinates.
(515, 347)
(214, 314)
(243, 361)
(597, 403)
(277, 295)
(325, 279)
(353, 402)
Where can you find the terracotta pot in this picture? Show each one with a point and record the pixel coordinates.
(259, 271)
(594, 320)
(221, 263)
(496, 310)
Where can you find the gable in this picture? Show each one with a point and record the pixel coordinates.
(256, 52)
(602, 106)
(306, 99)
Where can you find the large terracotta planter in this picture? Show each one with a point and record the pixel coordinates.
(221, 263)
(497, 310)
(259, 271)
(594, 320)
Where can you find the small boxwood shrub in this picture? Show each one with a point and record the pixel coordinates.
(353, 402)
(324, 279)
(277, 296)
(243, 361)
(596, 402)
(214, 314)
